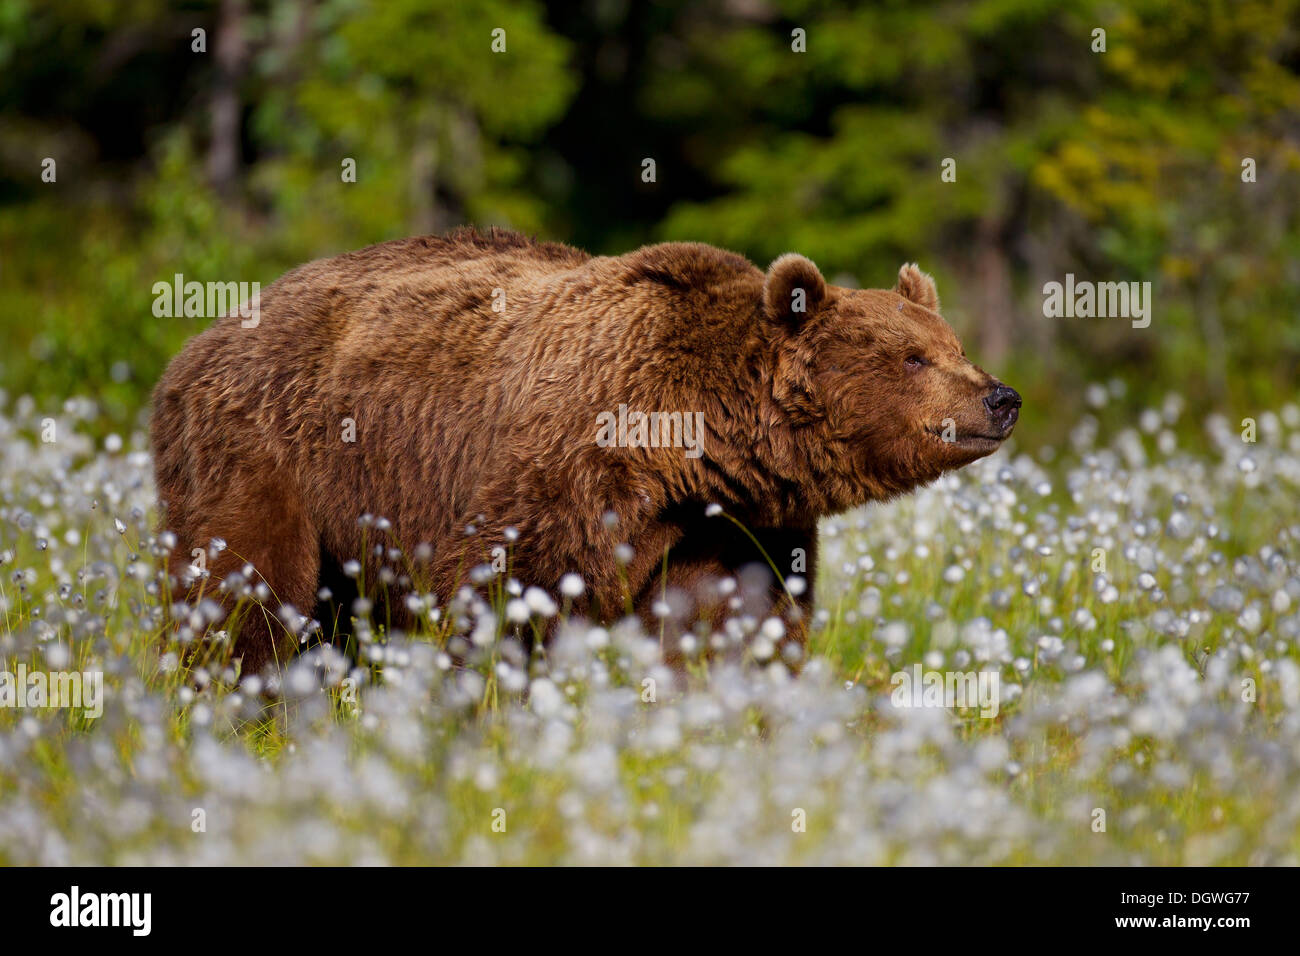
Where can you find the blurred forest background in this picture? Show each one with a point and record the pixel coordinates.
(224, 164)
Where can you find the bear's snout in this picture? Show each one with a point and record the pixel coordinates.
(1003, 404)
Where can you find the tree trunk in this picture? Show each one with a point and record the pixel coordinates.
(230, 52)
(994, 308)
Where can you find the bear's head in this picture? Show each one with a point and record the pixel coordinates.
(877, 384)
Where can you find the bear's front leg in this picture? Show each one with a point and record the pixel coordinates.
(615, 549)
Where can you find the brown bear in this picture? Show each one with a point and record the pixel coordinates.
(588, 414)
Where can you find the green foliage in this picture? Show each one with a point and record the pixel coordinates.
(435, 122)
(1123, 165)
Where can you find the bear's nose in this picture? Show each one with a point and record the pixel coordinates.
(1002, 399)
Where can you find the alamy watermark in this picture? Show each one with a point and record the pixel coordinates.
(211, 300)
(24, 689)
(1102, 300)
(75, 908)
(632, 429)
(950, 689)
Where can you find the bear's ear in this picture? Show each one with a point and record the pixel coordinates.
(793, 289)
(915, 286)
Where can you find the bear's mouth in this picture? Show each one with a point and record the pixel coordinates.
(974, 440)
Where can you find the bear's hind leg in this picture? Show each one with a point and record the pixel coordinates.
(264, 523)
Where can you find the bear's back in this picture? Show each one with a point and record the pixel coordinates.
(463, 345)
(458, 248)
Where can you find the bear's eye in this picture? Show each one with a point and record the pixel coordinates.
(915, 361)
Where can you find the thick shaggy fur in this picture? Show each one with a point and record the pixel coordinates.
(470, 417)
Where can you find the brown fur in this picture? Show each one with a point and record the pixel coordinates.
(469, 416)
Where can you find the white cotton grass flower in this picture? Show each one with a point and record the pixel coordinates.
(546, 699)
(1135, 597)
(539, 602)
(517, 611)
